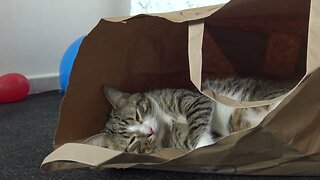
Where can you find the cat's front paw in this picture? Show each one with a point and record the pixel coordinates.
(205, 140)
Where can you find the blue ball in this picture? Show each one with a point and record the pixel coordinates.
(67, 62)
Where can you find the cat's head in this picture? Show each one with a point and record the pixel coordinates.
(132, 122)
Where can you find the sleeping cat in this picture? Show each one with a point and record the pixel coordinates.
(179, 118)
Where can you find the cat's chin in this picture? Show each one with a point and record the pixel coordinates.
(153, 137)
(156, 138)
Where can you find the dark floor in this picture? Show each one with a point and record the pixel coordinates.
(26, 133)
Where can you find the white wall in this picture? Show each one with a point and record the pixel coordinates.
(158, 6)
(35, 33)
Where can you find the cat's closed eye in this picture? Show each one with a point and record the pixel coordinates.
(138, 118)
(130, 147)
(132, 140)
(134, 145)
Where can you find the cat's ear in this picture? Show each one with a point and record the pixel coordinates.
(105, 140)
(101, 140)
(115, 96)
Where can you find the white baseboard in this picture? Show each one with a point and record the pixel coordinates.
(43, 82)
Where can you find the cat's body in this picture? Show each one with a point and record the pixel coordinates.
(178, 118)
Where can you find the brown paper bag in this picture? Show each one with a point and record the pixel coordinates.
(277, 39)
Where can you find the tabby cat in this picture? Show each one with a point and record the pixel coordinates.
(179, 118)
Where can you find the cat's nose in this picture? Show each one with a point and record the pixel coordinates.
(150, 131)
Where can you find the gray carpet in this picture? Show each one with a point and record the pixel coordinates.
(26, 133)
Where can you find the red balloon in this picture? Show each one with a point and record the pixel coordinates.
(13, 87)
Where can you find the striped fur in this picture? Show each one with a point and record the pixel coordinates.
(178, 118)
(228, 119)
